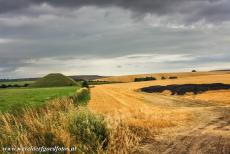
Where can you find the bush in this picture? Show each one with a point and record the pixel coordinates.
(173, 77)
(16, 85)
(82, 96)
(26, 85)
(85, 84)
(144, 79)
(10, 86)
(194, 71)
(3, 86)
(163, 78)
(89, 131)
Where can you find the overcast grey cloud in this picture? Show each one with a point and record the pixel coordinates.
(112, 37)
(189, 10)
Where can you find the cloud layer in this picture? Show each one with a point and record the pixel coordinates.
(187, 10)
(136, 36)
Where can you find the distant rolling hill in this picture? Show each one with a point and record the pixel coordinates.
(54, 80)
(222, 70)
(158, 76)
(75, 77)
(86, 77)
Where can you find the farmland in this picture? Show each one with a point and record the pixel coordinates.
(38, 93)
(12, 99)
(176, 123)
(57, 116)
(120, 116)
(158, 76)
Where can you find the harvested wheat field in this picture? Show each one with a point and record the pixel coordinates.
(130, 78)
(170, 124)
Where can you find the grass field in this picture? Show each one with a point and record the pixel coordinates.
(11, 99)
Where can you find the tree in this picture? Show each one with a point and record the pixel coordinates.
(85, 84)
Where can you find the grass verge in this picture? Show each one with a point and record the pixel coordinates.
(81, 97)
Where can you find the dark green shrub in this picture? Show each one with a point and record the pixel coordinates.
(9, 86)
(26, 85)
(16, 85)
(89, 132)
(85, 84)
(82, 96)
(173, 77)
(144, 79)
(3, 86)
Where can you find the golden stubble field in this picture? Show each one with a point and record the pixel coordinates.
(130, 78)
(168, 122)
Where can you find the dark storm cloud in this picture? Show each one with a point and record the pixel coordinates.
(190, 10)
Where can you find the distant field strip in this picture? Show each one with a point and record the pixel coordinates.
(159, 76)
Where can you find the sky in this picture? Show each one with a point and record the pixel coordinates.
(112, 37)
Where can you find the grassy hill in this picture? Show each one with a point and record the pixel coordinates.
(54, 80)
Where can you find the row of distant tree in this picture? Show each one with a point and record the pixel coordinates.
(152, 78)
(144, 79)
(15, 80)
(13, 85)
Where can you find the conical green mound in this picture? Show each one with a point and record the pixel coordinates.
(54, 80)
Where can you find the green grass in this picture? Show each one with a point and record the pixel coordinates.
(14, 99)
(16, 82)
(54, 80)
(81, 97)
(89, 131)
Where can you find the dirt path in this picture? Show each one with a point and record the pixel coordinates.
(186, 126)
